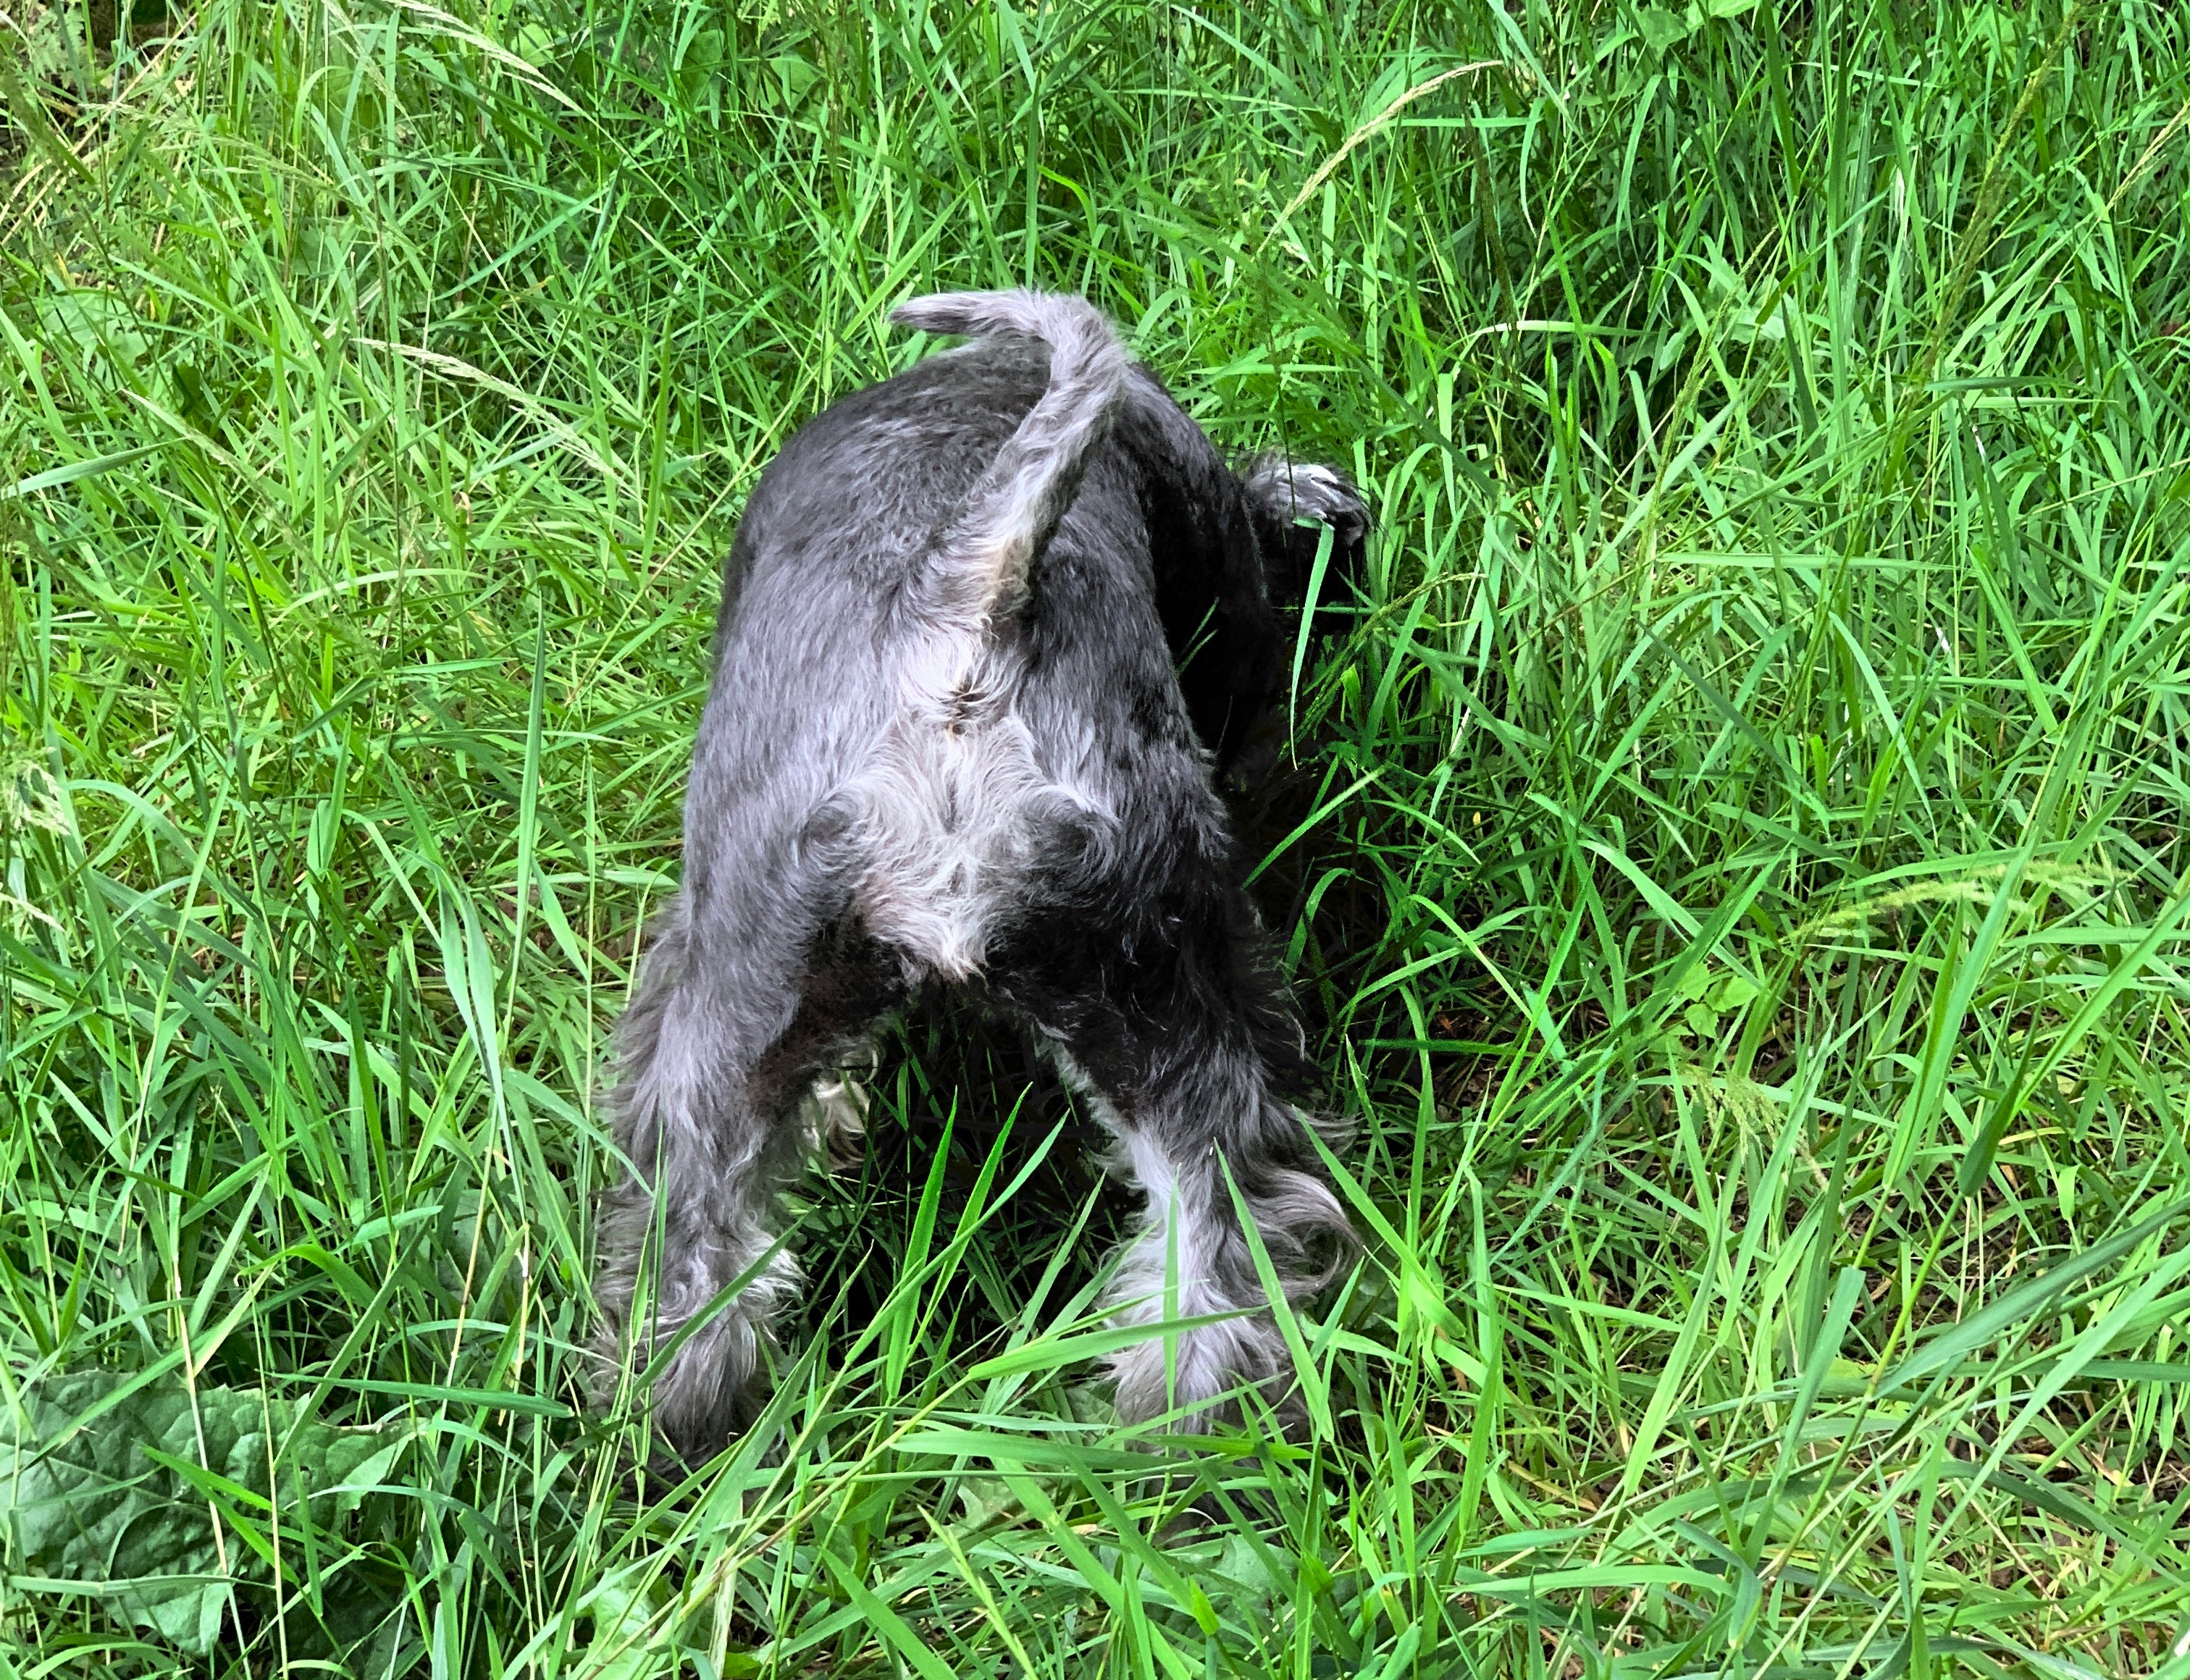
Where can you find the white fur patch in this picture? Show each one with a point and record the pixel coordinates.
(1177, 1235)
(953, 806)
(834, 1113)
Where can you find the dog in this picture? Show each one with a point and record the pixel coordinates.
(950, 741)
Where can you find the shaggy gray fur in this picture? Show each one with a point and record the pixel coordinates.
(947, 743)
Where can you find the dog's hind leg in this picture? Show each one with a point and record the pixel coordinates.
(1187, 1057)
(713, 1057)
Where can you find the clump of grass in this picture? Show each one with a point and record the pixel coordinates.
(1736, 853)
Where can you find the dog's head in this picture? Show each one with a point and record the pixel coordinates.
(1292, 503)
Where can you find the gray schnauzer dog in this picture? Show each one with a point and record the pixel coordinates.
(950, 742)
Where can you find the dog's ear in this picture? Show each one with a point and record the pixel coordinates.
(1292, 503)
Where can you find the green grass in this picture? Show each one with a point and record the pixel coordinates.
(1745, 894)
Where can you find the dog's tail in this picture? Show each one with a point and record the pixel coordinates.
(979, 564)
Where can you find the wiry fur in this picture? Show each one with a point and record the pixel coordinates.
(947, 742)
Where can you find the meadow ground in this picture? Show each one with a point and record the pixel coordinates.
(1734, 856)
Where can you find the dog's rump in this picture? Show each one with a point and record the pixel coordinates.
(979, 564)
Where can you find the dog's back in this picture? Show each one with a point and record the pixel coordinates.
(944, 630)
